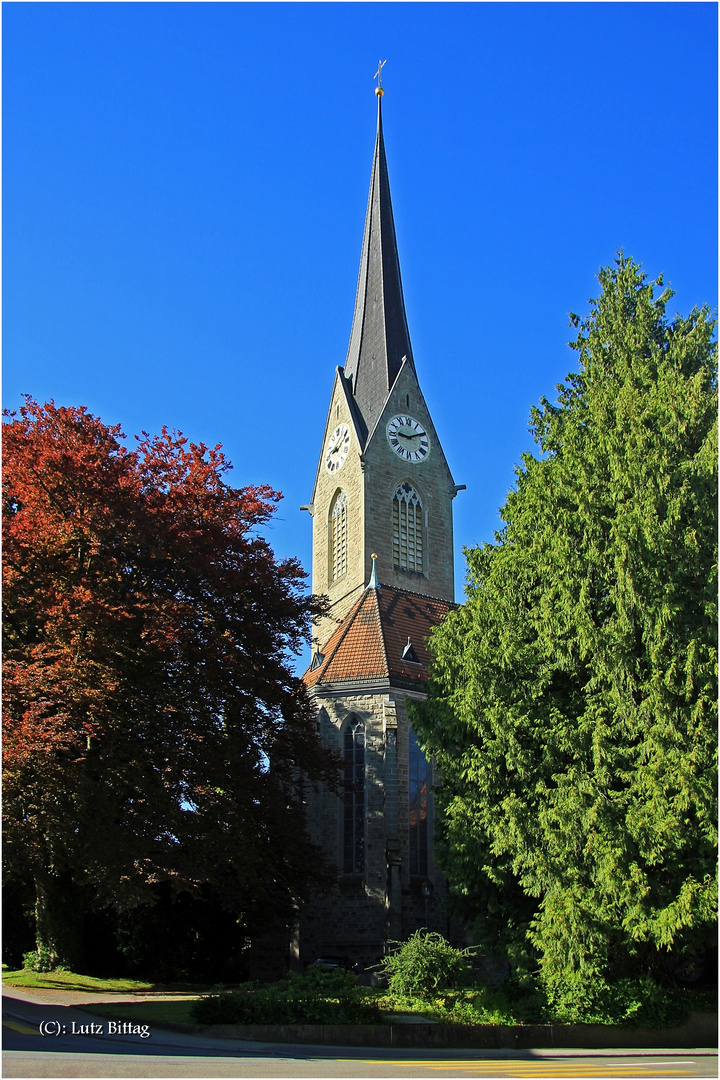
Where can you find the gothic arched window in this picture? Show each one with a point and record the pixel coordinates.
(407, 529)
(418, 788)
(338, 536)
(354, 809)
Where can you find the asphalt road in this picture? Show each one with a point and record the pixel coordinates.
(55, 1040)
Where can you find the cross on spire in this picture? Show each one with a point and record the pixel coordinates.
(378, 75)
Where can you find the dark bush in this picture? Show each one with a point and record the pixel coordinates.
(318, 997)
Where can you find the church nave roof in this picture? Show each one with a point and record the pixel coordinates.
(371, 642)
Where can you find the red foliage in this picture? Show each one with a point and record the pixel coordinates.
(148, 629)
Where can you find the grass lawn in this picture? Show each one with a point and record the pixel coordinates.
(68, 980)
(147, 1012)
(178, 1012)
(483, 1006)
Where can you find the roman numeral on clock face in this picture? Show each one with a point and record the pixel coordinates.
(337, 448)
(407, 438)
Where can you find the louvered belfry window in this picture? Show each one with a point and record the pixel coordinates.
(407, 529)
(354, 798)
(338, 536)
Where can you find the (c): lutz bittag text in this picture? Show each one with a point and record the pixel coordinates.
(112, 1027)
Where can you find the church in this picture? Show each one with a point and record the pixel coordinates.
(383, 554)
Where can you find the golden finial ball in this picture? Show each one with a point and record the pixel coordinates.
(379, 91)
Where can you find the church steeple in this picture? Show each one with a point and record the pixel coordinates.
(379, 341)
(383, 488)
(383, 556)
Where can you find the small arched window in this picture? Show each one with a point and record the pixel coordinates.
(338, 536)
(418, 817)
(354, 797)
(407, 529)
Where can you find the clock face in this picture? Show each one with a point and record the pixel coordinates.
(337, 448)
(408, 438)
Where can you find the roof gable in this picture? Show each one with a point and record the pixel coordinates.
(340, 388)
(370, 642)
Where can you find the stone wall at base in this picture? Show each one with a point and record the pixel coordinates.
(357, 920)
(700, 1031)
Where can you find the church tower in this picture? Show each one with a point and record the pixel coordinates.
(383, 554)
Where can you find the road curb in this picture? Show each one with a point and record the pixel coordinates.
(700, 1031)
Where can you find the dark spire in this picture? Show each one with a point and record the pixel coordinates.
(379, 340)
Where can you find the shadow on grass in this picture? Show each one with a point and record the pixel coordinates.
(146, 1012)
(67, 980)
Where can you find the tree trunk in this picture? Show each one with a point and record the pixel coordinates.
(59, 918)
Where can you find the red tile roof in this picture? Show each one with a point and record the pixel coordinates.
(369, 643)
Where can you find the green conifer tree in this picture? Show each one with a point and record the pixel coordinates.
(573, 703)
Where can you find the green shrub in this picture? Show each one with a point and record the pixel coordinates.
(425, 964)
(626, 1002)
(317, 997)
(333, 997)
(470, 1006)
(42, 960)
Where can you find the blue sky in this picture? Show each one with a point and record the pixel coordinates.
(185, 189)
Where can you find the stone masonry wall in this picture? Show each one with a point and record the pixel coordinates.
(384, 471)
(370, 480)
(349, 478)
(366, 911)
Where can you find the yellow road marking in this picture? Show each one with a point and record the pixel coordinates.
(568, 1062)
(22, 1028)
(552, 1063)
(536, 1069)
(539, 1068)
(534, 1066)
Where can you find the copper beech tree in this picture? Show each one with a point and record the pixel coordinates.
(153, 731)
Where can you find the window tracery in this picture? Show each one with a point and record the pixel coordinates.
(407, 529)
(354, 798)
(338, 536)
(418, 809)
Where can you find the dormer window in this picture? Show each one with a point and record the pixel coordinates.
(408, 654)
(317, 660)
